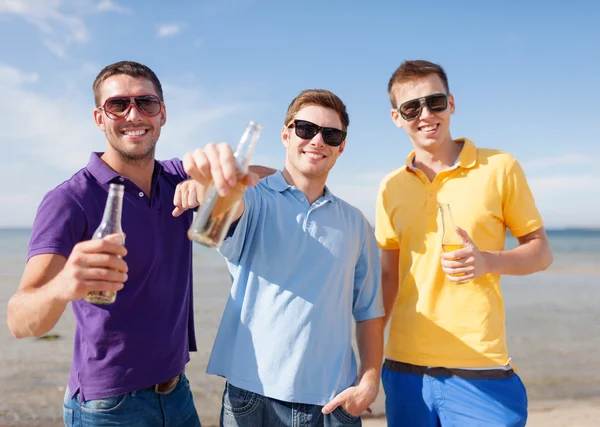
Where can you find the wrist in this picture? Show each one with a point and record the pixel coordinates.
(369, 384)
(490, 261)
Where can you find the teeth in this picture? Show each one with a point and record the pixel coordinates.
(428, 128)
(314, 155)
(134, 132)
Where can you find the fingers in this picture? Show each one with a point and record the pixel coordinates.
(250, 179)
(108, 245)
(214, 163)
(177, 211)
(98, 285)
(334, 403)
(100, 274)
(196, 165)
(100, 260)
(466, 238)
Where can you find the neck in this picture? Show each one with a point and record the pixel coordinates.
(441, 158)
(313, 188)
(139, 171)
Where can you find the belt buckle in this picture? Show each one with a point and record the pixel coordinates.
(169, 386)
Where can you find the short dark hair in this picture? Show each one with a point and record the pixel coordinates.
(129, 68)
(412, 70)
(321, 98)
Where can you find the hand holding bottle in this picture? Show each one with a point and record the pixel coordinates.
(223, 177)
(466, 263)
(217, 165)
(93, 266)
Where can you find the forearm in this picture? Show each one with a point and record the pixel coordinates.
(369, 338)
(527, 258)
(390, 292)
(34, 312)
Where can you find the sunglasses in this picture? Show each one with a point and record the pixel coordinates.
(307, 130)
(435, 103)
(119, 106)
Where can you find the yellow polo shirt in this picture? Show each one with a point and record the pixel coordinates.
(436, 322)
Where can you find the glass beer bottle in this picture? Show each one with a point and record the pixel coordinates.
(216, 213)
(110, 224)
(451, 240)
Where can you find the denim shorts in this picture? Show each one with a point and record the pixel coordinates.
(141, 408)
(243, 408)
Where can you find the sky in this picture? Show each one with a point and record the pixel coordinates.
(524, 76)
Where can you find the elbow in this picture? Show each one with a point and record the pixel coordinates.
(547, 260)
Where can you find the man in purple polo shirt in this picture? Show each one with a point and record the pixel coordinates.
(129, 356)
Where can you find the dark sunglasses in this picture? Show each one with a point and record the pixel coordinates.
(119, 106)
(307, 130)
(435, 103)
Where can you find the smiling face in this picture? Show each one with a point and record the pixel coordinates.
(312, 158)
(429, 131)
(134, 136)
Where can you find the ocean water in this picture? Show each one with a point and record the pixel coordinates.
(553, 323)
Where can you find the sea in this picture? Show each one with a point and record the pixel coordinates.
(553, 328)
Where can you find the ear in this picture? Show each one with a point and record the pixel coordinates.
(397, 118)
(451, 103)
(99, 119)
(285, 136)
(163, 115)
(342, 146)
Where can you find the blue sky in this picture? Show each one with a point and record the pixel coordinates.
(524, 76)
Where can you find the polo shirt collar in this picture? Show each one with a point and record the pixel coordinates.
(277, 182)
(104, 174)
(466, 159)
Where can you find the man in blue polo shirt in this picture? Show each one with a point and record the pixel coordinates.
(304, 264)
(129, 356)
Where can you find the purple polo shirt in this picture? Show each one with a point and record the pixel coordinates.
(145, 336)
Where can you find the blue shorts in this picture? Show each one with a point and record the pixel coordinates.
(444, 397)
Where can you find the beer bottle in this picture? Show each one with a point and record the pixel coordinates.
(110, 224)
(451, 240)
(216, 213)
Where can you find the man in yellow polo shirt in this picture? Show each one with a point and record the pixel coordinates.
(446, 357)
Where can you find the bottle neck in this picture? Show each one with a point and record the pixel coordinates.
(114, 206)
(244, 149)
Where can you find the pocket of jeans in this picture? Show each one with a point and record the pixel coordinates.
(109, 404)
(345, 416)
(239, 401)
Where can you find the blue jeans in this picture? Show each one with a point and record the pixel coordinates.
(449, 401)
(141, 408)
(242, 408)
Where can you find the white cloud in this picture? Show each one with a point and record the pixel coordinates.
(61, 22)
(168, 30)
(110, 6)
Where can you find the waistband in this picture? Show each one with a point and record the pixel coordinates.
(467, 374)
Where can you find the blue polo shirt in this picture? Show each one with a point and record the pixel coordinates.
(301, 274)
(145, 336)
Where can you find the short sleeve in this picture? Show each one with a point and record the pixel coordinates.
(59, 225)
(385, 234)
(367, 298)
(521, 215)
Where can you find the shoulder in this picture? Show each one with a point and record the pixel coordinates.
(353, 214)
(394, 177)
(489, 157)
(73, 190)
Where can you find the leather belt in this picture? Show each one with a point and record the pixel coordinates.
(467, 374)
(165, 387)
